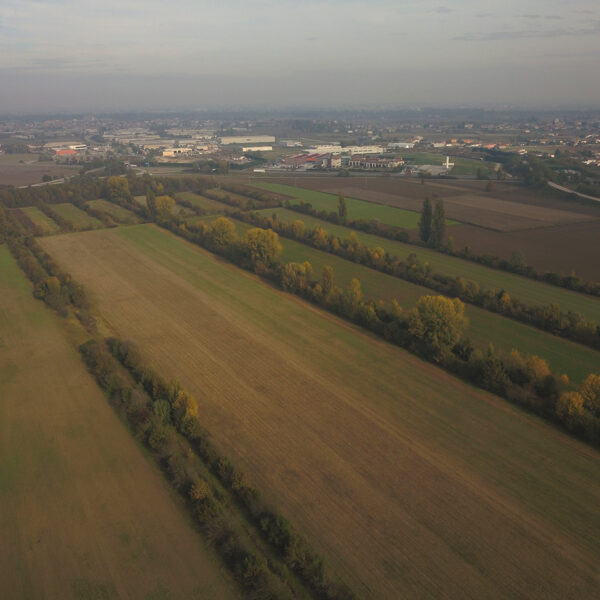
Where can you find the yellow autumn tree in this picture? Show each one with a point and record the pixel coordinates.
(569, 405)
(590, 392)
(437, 322)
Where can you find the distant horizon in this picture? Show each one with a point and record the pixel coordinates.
(129, 55)
(284, 111)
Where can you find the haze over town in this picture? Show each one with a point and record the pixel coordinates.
(88, 56)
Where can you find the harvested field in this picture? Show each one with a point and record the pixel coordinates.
(388, 464)
(409, 188)
(563, 249)
(207, 204)
(357, 209)
(83, 515)
(79, 218)
(527, 290)
(30, 171)
(40, 220)
(479, 210)
(118, 213)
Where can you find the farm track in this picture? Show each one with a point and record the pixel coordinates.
(411, 482)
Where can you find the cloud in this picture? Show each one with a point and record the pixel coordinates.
(529, 34)
(443, 9)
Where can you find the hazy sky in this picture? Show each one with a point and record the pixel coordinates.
(142, 54)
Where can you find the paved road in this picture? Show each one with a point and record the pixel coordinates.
(565, 189)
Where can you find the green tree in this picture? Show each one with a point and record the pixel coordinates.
(438, 323)
(118, 188)
(425, 221)
(342, 208)
(222, 233)
(164, 207)
(590, 392)
(438, 225)
(262, 245)
(298, 229)
(151, 203)
(327, 280)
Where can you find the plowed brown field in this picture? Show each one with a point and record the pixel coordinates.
(412, 483)
(83, 515)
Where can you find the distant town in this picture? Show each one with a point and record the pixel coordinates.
(411, 144)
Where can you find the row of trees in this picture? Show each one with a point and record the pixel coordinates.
(171, 411)
(516, 264)
(432, 225)
(50, 283)
(549, 318)
(165, 418)
(434, 330)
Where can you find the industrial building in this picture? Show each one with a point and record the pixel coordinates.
(249, 139)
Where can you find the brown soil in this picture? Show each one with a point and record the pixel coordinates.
(562, 249)
(18, 175)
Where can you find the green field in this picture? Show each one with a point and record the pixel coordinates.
(41, 220)
(118, 213)
(79, 218)
(357, 209)
(527, 290)
(564, 356)
(463, 167)
(207, 204)
(412, 483)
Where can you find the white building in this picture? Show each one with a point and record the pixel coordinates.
(248, 139)
(257, 148)
(333, 148)
(400, 145)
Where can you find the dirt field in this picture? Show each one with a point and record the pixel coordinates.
(412, 483)
(30, 170)
(83, 515)
(562, 249)
(482, 209)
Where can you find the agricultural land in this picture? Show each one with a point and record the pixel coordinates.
(505, 220)
(83, 514)
(388, 464)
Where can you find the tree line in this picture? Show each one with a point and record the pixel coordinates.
(526, 381)
(80, 189)
(166, 418)
(516, 264)
(50, 283)
(548, 318)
